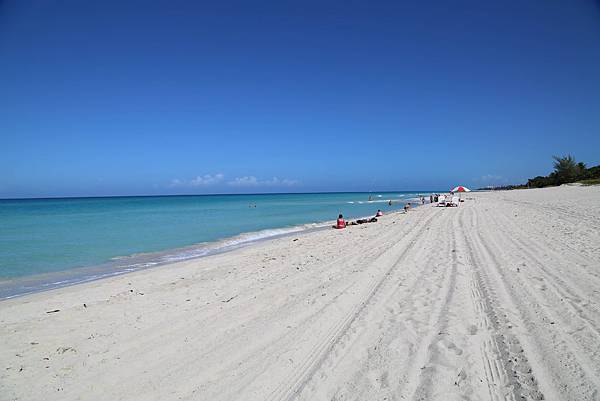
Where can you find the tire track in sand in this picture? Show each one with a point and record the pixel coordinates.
(291, 387)
(383, 355)
(567, 351)
(299, 319)
(426, 373)
(508, 371)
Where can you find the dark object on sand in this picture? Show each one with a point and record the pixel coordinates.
(230, 299)
(363, 221)
(53, 311)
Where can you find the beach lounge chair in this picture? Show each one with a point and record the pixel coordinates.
(454, 201)
(441, 200)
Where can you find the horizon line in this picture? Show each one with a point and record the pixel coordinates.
(211, 194)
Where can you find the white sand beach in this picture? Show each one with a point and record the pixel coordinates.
(498, 299)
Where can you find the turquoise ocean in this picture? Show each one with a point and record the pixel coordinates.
(49, 243)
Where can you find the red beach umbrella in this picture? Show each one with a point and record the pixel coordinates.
(460, 189)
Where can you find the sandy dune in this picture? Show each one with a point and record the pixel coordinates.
(498, 299)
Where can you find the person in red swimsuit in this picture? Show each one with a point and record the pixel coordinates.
(340, 223)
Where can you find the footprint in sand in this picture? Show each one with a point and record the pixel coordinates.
(451, 346)
(378, 380)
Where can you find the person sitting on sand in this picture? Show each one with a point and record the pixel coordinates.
(340, 223)
(379, 213)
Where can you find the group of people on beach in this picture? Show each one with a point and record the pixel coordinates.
(341, 223)
(433, 198)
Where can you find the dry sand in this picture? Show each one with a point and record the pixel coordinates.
(498, 299)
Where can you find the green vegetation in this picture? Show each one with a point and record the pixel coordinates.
(566, 170)
(591, 181)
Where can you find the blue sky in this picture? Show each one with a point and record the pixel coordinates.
(134, 97)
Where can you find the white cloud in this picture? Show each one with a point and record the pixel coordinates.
(206, 179)
(252, 181)
(490, 178)
(176, 182)
(245, 181)
(199, 181)
(288, 182)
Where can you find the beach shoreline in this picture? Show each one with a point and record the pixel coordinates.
(481, 301)
(21, 286)
(11, 287)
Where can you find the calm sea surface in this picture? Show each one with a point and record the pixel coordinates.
(45, 243)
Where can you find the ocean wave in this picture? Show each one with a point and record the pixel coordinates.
(236, 241)
(126, 264)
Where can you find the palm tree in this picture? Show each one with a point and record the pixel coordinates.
(566, 169)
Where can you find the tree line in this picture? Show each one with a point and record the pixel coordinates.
(566, 170)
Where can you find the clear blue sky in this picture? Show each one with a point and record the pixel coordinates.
(151, 97)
